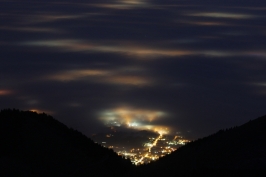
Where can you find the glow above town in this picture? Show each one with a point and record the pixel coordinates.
(160, 141)
(132, 118)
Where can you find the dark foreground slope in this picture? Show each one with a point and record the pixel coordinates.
(239, 151)
(38, 145)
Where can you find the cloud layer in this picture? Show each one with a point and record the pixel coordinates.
(192, 66)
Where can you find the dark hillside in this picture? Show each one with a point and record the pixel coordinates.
(38, 145)
(238, 151)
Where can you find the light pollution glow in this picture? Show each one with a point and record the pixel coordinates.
(39, 111)
(139, 119)
(5, 92)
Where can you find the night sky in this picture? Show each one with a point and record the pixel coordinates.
(186, 66)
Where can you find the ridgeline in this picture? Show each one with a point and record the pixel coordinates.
(238, 151)
(35, 144)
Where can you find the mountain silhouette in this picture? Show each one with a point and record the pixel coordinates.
(238, 151)
(35, 144)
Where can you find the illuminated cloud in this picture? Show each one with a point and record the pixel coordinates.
(157, 52)
(205, 23)
(217, 53)
(132, 118)
(221, 15)
(5, 92)
(128, 80)
(101, 76)
(133, 50)
(262, 84)
(123, 4)
(156, 128)
(31, 29)
(127, 49)
(260, 88)
(64, 44)
(257, 54)
(44, 18)
(132, 2)
(126, 115)
(40, 111)
(77, 74)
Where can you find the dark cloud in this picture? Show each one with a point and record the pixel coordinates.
(201, 63)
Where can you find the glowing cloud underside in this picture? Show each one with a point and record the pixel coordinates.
(5, 92)
(222, 15)
(40, 111)
(101, 76)
(131, 118)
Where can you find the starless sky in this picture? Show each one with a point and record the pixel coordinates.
(187, 65)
